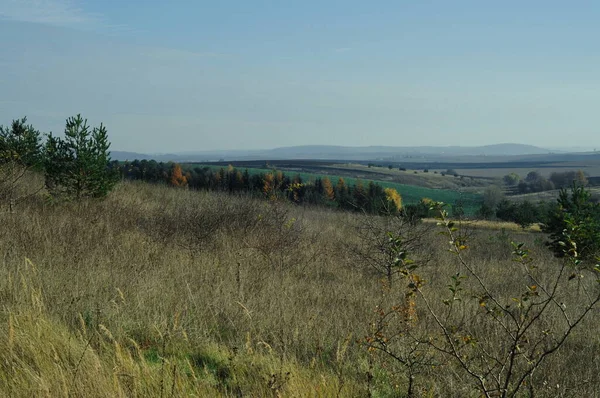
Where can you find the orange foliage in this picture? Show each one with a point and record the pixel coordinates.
(177, 178)
(269, 185)
(328, 189)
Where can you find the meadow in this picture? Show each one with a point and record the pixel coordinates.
(157, 291)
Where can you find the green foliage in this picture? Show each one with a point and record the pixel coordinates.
(567, 178)
(21, 143)
(535, 182)
(458, 208)
(492, 196)
(301, 188)
(523, 321)
(485, 212)
(524, 213)
(576, 219)
(511, 179)
(77, 166)
(527, 214)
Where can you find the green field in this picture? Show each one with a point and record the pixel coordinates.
(410, 193)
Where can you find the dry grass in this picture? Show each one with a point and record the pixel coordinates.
(164, 292)
(493, 225)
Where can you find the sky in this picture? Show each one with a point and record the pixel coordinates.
(170, 76)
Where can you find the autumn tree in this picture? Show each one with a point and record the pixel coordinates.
(328, 189)
(177, 179)
(269, 185)
(394, 198)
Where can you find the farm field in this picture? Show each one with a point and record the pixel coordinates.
(591, 169)
(549, 195)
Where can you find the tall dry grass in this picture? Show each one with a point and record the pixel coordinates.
(163, 292)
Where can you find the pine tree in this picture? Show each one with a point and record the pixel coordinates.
(21, 144)
(77, 166)
(575, 218)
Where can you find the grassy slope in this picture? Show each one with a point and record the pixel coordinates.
(165, 292)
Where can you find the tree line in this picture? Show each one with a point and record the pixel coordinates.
(78, 165)
(368, 197)
(535, 182)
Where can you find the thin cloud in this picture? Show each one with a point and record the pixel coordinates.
(65, 13)
(343, 49)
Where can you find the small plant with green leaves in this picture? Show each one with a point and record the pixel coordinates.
(530, 323)
(385, 245)
(500, 338)
(575, 219)
(393, 332)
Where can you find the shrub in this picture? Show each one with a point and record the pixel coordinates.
(500, 340)
(577, 219)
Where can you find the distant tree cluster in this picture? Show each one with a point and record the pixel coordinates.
(535, 182)
(370, 197)
(567, 178)
(575, 212)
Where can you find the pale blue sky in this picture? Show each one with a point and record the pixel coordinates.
(169, 76)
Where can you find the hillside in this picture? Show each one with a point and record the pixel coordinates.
(333, 152)
(159, 291)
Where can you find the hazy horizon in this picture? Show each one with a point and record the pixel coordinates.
(204, 76)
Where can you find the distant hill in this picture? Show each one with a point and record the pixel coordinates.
(123, 155)
(341, 153)
(337, 152)
(333, 152)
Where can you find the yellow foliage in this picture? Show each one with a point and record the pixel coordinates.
(394, 197)
(269, 185)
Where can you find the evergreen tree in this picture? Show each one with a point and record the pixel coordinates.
(77, 166)
(20, 144)
(575, 219)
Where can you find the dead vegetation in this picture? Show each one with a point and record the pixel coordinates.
(166, 292)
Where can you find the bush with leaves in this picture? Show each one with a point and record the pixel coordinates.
(77, 165)
(499, 336)
(576, 218)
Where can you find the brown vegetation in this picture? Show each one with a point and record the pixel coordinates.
(165, 292)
